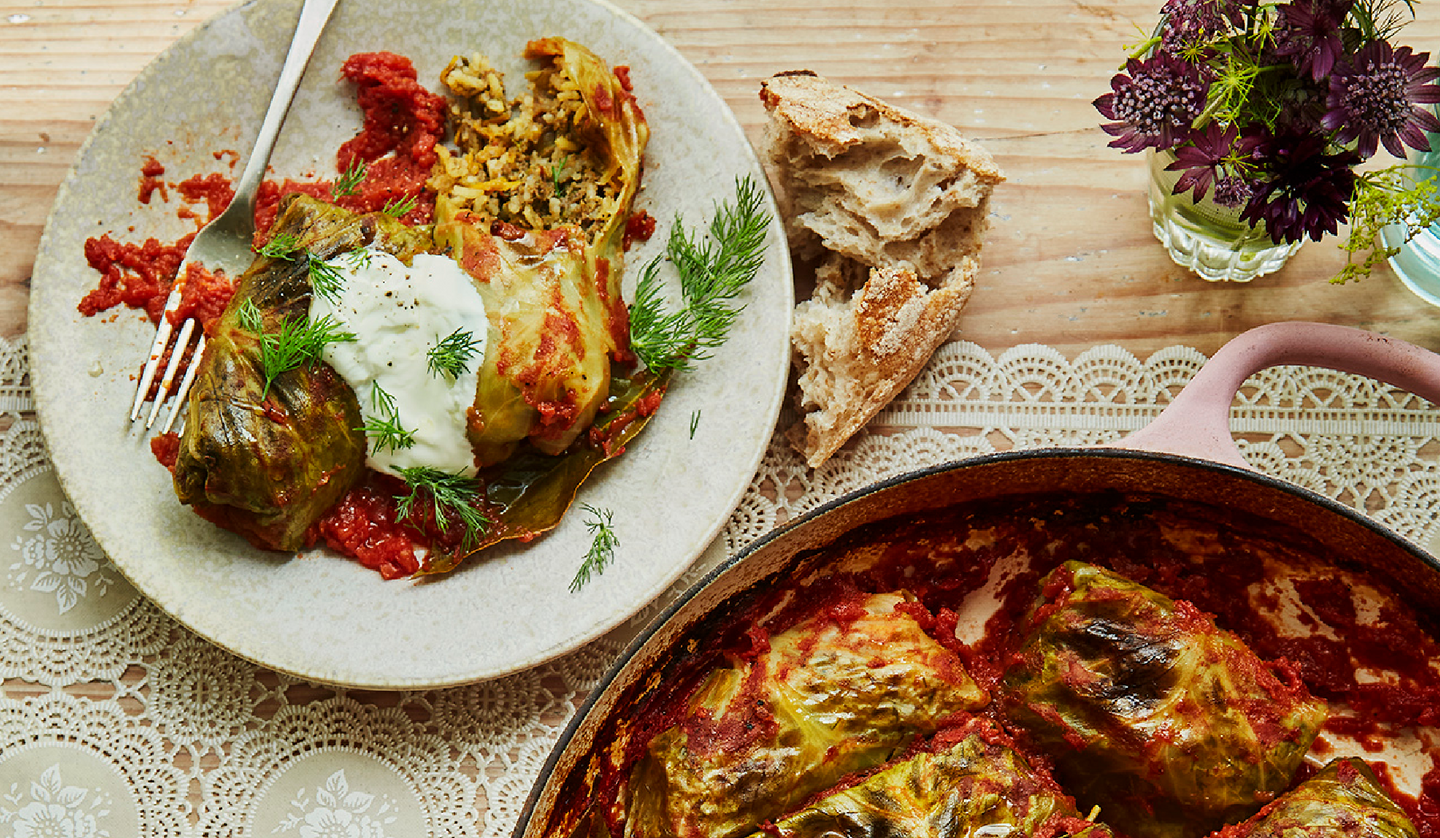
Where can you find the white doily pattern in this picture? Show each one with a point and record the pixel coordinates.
(116, 721)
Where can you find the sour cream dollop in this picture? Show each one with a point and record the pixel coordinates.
(398, 314)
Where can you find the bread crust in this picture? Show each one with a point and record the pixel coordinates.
(893, 205)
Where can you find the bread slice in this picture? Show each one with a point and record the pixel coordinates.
(893, 206)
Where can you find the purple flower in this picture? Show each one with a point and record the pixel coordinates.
(1305, 190)
(1203, 159)
(1153, 102)
(1190, 23)
(1307, 33)
(1373, 99)
(1232, 191)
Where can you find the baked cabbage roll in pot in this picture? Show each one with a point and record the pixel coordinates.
(976, 787)
(1343, 800)
(841, 691)
(1168, 723)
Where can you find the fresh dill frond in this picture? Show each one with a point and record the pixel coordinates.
(326, 280)
(694, 423)
(395, 208)
(381, 400)
(602, 546)
(450, 356)
(449, 492)
(385, 427)
(1381, 198)
(281, 246)
(350, 179)
(713, 271)
(250, 318)
(359, 258)
(299, 341)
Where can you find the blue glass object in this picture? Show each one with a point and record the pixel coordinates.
(1418, 261)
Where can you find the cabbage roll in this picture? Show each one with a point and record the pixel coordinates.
(830, 696)
(1343, 800)
(977, 788)
(267, 462)
(553, 298)
(1171, 725)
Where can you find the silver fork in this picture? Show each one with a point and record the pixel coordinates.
(224, 244)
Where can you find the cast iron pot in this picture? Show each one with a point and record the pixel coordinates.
(1186, 454)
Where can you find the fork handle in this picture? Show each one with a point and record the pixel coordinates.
(313, 16)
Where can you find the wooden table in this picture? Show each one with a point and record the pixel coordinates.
(1070, 260)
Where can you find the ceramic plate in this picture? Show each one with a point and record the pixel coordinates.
(316, 615)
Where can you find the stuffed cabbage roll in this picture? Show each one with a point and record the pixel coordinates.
(830, 696)
(267, 460)
(1343, 800)
(1171, 725)
(557, 317)
(978, 787)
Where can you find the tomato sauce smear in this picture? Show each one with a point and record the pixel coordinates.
(395, 151)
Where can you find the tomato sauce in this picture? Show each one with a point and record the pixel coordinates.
(150, 181)
(639, 227)
(134, 275)
(403, 121)
(364, 526)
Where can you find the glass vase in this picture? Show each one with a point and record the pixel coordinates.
(1206, 237)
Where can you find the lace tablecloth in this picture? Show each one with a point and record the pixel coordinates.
(116, 721)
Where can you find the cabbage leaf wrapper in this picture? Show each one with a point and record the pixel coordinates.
(1342, 800)
(268, 462)
(553, 297)
(978, 787)
(1171, 725)
(830, 696)
(530, 492)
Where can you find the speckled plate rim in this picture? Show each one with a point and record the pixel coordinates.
(315, 615)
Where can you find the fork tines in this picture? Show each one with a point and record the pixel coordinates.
(188, 330)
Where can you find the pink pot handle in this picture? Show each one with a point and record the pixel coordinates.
(1197, 422)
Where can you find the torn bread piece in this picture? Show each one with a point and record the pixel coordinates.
(893, 205)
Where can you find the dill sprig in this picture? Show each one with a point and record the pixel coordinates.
(450, 356)
(384, 427)
(602, 546)
(280, 246)
(299, 341)
(694, 423)
(713, 271)
(449, 492)
(326, 279)
(350, 179)
(396, 208)
(251, 320)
